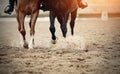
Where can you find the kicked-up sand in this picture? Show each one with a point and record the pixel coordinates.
(94, 49)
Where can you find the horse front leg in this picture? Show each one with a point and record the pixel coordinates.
(32, 28)
(21, 28)
(72, 22)
(52, 27)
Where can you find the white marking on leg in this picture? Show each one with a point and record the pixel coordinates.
(31, 43)
(25, 45)
(21, 41)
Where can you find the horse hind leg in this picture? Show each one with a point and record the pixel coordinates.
(52, 27)
(72, 22)
(21, 28)
(63, 23)
(32, 29)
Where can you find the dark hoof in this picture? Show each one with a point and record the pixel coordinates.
(25, 45)
(53, 41)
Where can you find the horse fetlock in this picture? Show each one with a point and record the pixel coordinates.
(72, 32)
(64, 35)
(53, 37)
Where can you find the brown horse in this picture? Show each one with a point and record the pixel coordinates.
(23, 8)
(61, 9)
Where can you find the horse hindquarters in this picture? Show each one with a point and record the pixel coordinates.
(72, 22)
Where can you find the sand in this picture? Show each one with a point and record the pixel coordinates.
(94, 49)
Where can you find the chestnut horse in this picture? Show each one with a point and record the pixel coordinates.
(23, 8)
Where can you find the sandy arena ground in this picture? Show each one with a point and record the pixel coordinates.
(94, 49)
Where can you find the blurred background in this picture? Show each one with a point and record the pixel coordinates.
(95, 8)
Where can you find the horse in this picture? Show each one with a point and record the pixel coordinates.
(61, 9)
(23, 8)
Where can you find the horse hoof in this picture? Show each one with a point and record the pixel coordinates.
(53, 41)
(25, 45)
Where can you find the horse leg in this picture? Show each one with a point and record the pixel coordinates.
(59, 18)
(63, 23)
(21, 28)
(72, 22)
(32, 28)
(52, 27)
